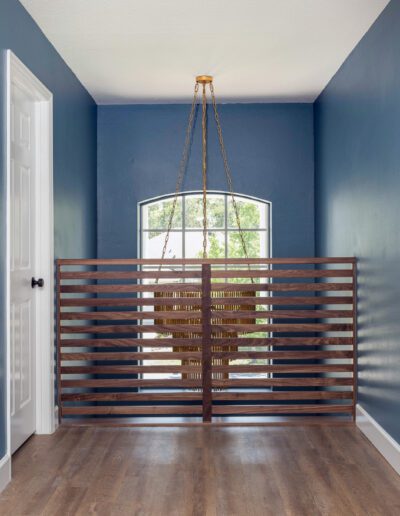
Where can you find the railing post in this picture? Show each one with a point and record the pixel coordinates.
(355, 354)
(58, 339)
(206, 358)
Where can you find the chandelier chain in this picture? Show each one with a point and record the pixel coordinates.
(204, 168)
(182, 170)
(183, 165)
(227, 169)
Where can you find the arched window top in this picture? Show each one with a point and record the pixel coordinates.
(186, 238)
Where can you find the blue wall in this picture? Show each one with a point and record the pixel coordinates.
(270, 147)
(74, 152)
(357, 142)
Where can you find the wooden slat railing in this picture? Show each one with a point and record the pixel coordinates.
(206, 338)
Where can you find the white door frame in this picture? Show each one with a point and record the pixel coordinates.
(18, 73)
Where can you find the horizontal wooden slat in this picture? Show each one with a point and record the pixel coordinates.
(284, 368)
(134, 410)
(232, 369)
(276, 300)
(129, 343)
(133, 396)
(196, 314)
(120, 355)
(129, 328)
(216, 328)
(217, 302)
(283, 355)
(133, 301)
(196, 355)
(160, 287)
(216, 287)
(287, 328)
(283, 341)
(129, 316)
(117, 382)
(280, 287)
(281, 314)
(217, 396)
(116, 275)
(282, 382)
(129, 369)
(223, 342)
(281, 395)
(283, 273)
(200, 261)
(177, 383)
(220, 410)
(281, 421)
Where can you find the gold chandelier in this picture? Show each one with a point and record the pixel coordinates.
(204, 81)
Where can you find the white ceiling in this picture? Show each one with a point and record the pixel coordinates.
(145, 51)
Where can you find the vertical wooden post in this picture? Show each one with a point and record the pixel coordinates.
(58, 338)
(206, 357)
(354, 338)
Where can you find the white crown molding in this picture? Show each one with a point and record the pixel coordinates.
(382, 441)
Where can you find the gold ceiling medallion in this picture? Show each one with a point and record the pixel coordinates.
(204, 79)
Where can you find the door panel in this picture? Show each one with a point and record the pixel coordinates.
(22, 258)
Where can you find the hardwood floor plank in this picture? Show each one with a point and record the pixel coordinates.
(329, 470)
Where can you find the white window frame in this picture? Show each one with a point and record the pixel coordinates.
(226, 230)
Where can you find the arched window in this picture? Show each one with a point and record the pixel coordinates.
(186, 240)
(186, 237)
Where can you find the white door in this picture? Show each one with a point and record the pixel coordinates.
(23, 173)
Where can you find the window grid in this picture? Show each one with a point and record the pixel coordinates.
(263, 228)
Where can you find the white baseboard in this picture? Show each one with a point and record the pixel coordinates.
(5, 471)
(382, 441)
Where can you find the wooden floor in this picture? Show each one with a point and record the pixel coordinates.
(298, 470)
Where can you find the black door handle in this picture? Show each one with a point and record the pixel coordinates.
(37, 283)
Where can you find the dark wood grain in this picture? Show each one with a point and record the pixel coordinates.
(215, 328)
(282, 395)
(200, 261)
(134, 287)
(178, 383)
(216, 301)
(283, 314)
(310, 300)
(129, 343)
(281, 287)
(135, 410)
(219, 410)
(128, 315)
(130, 302)
(284, 273)
(222, 342)
(130, 369)
(117, 275)
(140, 355)
(283, 355)
(217, 396)
(206, 358)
